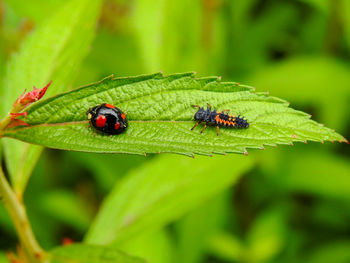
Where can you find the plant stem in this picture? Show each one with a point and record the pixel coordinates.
(5, 122)
(19, 216)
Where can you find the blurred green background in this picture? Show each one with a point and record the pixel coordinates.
(291, 205)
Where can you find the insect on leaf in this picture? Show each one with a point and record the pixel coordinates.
(160, 117)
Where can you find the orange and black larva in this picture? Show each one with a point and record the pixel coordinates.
(108, 119)
(218, 118)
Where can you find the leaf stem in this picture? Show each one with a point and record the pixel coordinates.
(5, 122)
(18, 214)
(16, 108)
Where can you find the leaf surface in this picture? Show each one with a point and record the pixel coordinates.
(160, 117)
(160, 192)
(79, 253)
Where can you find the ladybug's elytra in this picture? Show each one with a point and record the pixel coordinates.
(108, 119)
(218, 118)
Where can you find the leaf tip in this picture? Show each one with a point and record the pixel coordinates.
(344, 140)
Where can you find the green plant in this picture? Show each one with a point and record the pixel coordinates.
(160, 116)
(60, 122)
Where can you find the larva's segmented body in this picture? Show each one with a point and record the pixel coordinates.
(218, 118)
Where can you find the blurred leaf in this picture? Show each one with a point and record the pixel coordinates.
(37, 10)
(3, 258)
(322, 5)
(333, 213)
(323, 87)
(345, 16)
(266, 237)
(319, 173)
(106, 168)
(161, 191)
(155, 247)
(79, 253)
(197, 227)
(53, 51)
(106, 57)
(168, 36)
(65, 207)
(5, 220)
(334, 251)
(226, 246)
(160, 117)
(254, 36)
(148, 18)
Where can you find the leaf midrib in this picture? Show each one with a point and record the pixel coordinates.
(147, 121)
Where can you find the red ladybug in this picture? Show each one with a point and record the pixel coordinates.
(108, 119)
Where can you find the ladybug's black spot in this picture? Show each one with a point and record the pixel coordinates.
(113, 115)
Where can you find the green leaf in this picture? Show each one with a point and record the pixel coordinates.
(161, 191)
(292, 79)
(105, 168)
(37, 11)
(79, 253)
(160, 117)
(227, 247)
(3, 258)
(332, 251)
(52, 52)
(192, 237)
(311, 175)
(267, 235)
(64, 206)
(155, 247)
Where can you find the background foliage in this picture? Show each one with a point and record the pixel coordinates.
(280, 205)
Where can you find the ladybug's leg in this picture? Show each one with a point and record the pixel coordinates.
(209, 106)
(217, 130)
(195, 106)
(196, 125)
(205, 126)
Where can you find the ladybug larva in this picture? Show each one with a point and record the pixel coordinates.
(107, 118)
(218, 118)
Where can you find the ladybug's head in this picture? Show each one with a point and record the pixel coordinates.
(200, 114)
(90, 112)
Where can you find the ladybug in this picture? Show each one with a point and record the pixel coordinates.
(108, 119)
(218, 118)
